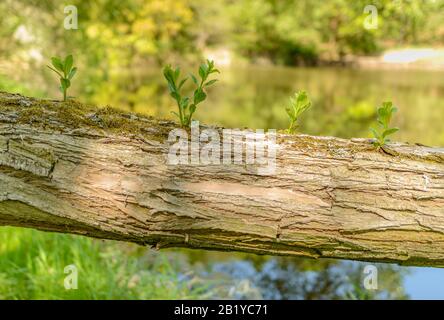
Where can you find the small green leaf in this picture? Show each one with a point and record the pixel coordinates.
(171, 87)
(182, 83)
(389, 132)
(167, 73)
(72, 73)
(199, 96)
(184, 103)
(196, 82)
(69, 61)
(176, 96)
(209, 83)
(57, 63)
(58, 73)
(203, 69)
(176, 74)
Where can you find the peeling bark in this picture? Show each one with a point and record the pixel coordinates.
(106, 176)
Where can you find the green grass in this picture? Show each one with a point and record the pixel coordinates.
(32, 267)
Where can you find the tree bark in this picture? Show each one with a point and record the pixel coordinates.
(102, 173)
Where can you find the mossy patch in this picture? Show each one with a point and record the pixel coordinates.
(73, 114)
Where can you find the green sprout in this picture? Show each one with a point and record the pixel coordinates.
(385, 114)
(298, 105)
(64, 69)
(187, 106)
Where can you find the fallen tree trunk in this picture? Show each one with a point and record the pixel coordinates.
(71, 168)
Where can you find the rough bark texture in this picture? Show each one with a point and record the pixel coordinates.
(71, 168)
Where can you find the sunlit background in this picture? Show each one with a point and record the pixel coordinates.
(266, 50)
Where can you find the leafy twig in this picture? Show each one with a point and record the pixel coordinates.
(186, 106)
(65, 70)
(298, 105)
(385, 113)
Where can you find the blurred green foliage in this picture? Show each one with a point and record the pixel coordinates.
(302, 32)
(32, 266)
(127, 33)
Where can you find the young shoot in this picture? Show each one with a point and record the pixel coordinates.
(298, 105)
(186, 105)
(385, 113)
(65, 70)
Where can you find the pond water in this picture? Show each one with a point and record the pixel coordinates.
(344, 104)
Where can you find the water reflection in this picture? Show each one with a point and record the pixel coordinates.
(245, 276)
